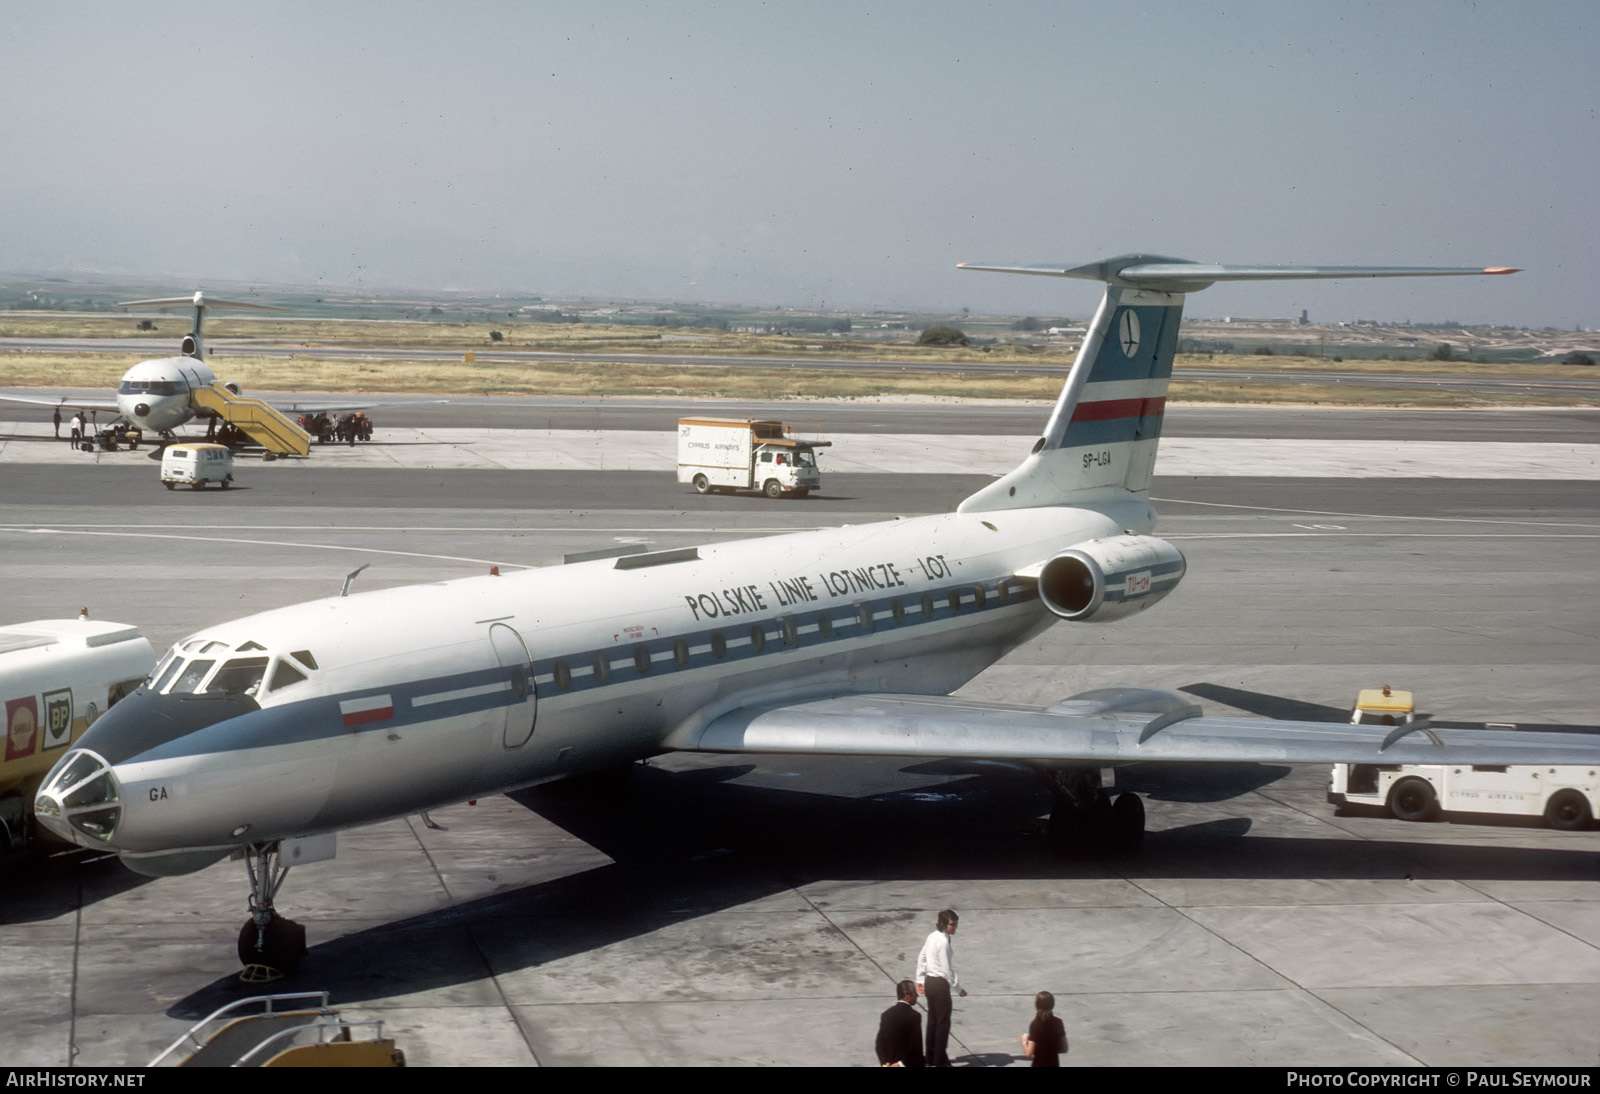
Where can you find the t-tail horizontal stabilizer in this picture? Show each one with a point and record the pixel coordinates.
(1102, 437)
(193, 345)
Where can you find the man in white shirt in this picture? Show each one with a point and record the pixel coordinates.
(936, 979)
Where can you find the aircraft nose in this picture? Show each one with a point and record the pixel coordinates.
(81, 801)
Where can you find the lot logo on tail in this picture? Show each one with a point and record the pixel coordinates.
(1128, 333)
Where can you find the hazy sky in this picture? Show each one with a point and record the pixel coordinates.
(835, 154)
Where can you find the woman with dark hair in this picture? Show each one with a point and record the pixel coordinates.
(1046, 1040)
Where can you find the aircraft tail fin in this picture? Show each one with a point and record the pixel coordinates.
(1103, 433)
(1102, 436)
(193, 346)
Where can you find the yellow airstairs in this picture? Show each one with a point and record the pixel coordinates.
(264, 425)
(299, 1029)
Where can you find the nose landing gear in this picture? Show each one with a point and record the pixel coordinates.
(270, 945)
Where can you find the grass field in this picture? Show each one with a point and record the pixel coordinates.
(877, 376)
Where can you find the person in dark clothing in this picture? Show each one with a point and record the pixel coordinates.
(1046, 1040)
(900, 1030)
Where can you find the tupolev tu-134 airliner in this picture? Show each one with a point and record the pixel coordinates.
(263, 736)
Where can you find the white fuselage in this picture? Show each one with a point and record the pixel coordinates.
(155, 395)
(405, 699)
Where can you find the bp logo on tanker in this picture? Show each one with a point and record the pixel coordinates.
(57, 718)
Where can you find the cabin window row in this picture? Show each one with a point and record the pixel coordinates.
(787, 631)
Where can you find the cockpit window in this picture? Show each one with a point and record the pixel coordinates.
(305, 658)
(284, 675)
(161, 667)
(192, 675)
(169, 670)
(241, 676)
(151, 387)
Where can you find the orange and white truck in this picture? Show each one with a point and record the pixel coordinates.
(721, 455)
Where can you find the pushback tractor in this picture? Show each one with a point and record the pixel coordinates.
(1567, 796)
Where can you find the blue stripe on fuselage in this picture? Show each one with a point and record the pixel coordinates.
(319, 717)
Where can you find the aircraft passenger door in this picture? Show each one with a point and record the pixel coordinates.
(512, 654)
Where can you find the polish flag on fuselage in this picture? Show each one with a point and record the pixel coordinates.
(366, 710)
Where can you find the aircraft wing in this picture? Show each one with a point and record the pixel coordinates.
(64, 402)
(1109, 726)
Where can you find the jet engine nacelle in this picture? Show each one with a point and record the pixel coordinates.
(189, 345)
(1105, 579)
(233, 387)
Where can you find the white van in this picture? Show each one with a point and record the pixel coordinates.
(197, 464)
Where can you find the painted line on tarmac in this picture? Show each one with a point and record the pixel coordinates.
(304, 545)
(1368, 516)
(462, 448)
(1382, 535)
(713, 530)
(274, 543)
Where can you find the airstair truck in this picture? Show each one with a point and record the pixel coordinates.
(722, 455)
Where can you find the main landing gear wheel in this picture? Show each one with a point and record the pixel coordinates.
(270, 946)
(1068, 830)
(702, 485)
(1086, 821)
(1127, 823)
